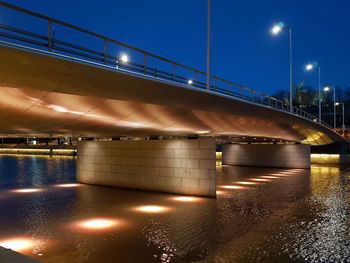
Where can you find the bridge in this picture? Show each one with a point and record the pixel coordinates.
(57, 79)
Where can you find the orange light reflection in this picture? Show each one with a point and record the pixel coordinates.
(67, 185)
(281, 175)
(270, 177)
(152, 209)
(246, 183)
(97, 224)
(187, 199)
(233, 187)
(26, 190)
(260, 179)
(21, 244)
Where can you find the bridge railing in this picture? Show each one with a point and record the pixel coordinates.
(33, 30)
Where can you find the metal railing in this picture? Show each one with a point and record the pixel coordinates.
(90, 47)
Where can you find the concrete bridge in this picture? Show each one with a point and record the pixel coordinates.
(53, 86)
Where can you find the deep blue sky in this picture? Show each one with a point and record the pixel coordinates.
(243, 48)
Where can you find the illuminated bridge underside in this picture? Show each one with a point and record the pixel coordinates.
(44, 95)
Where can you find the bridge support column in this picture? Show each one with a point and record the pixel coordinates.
(171, 166)
(267, 155)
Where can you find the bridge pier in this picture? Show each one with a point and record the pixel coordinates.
(267, 155)
(171, 166)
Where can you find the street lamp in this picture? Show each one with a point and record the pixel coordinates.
(310, 67)
(208, 44)
(326, 89)
(276, 29)
(343, 123)
(124, 58)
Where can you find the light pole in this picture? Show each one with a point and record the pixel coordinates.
(343, 115)
(209, 45)
(276, 29)
(334, 102)
(310, 67)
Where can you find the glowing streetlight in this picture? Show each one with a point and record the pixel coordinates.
(190, 82)
(311, 67)
(343, 123)
(326, 89)
(124, 58)
(276, 29)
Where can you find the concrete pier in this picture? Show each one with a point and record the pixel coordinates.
(267, 155)
(171, 166)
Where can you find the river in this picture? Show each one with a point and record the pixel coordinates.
(260, 215)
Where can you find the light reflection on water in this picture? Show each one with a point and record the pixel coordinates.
(260, 215)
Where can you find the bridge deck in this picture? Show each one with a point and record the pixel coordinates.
(47, 95)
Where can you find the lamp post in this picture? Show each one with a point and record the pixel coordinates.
(343, 115)
(209, 45)
(334, 102)
(276, 29)
(310, 67)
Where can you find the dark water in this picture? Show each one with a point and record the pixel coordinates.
(260, 215)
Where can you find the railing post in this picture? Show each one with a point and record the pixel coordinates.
(214, 83)
(105, 50)
(174, 71)
(144, 63)
(196, 77)
(49, 35)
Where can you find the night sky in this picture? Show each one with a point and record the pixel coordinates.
(243, 49)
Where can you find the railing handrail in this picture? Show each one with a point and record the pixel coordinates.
(79, 51)
(86, 31)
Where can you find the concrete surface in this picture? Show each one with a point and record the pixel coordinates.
(171, 166)
(267, 155)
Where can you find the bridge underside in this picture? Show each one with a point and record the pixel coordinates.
(43, 95)
(31, 112)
